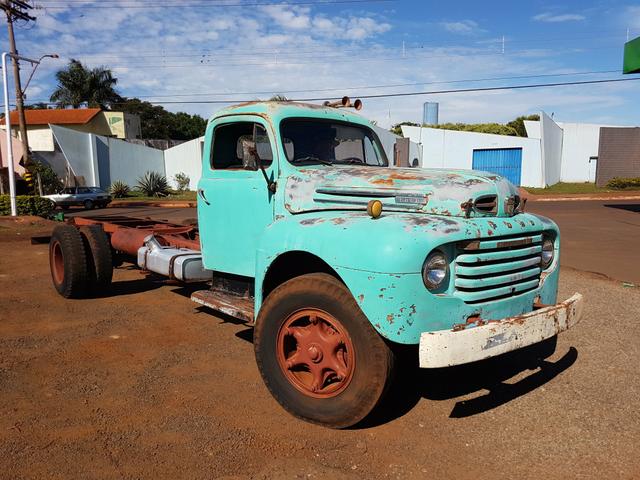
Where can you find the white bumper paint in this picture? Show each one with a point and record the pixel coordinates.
(446, 348)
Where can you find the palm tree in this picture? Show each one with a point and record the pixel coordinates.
(78, 84)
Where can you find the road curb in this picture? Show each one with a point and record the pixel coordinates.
(532, 198)
(184, 204)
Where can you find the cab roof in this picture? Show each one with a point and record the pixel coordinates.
(278, 110)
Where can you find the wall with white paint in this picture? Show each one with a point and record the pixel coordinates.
(185, 158)
(551, 145)
(452, 149)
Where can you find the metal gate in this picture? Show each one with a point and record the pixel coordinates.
(503, 161)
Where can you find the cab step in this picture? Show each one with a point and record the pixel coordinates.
(232, 304)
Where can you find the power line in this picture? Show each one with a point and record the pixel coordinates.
(394, 85)
(66, 5)
(407, 94)
(369, 87)
(331, 60)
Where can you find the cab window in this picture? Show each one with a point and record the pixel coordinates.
(240, 145)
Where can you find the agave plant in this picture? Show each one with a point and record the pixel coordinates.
(119, 189)
(153, 184)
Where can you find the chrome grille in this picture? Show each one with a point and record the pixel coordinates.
(489, 269)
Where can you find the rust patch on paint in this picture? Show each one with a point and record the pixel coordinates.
(390, 318)
(383, 181)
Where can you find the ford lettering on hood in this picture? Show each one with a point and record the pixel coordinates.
(432, 191)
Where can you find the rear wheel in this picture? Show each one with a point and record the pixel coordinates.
(318, 354)
(88, 204)
(100, 266)
(68, 262)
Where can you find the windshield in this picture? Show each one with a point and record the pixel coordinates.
(308, 142)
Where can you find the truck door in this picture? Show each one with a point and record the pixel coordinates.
(234, 201)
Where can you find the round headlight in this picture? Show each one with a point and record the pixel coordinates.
(548, 248)
(435, 270)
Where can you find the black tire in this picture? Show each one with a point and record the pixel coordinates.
(88, 204)
(68, 262)
(64, 207)
(100, 262)
(372, 371)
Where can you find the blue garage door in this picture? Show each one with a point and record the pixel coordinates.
(503, 161)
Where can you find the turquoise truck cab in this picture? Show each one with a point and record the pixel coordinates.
(337, 257)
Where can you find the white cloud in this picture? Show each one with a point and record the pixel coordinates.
(552, 18)
(464, 27)
(283, 49)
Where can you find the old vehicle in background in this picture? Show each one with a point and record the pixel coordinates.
(87, 197)
(337, 259)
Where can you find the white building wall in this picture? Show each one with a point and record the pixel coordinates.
(533, 128)
(185, 158)
(551, 144)
(129, 161)
(454, 150)
(581, 141)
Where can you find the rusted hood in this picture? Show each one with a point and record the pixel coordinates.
(434, 191)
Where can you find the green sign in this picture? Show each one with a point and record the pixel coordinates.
(632, 56)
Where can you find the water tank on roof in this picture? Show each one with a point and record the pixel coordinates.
(430, 113)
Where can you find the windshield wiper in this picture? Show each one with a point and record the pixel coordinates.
(311, 158)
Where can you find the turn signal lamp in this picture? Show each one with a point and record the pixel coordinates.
(374, 208)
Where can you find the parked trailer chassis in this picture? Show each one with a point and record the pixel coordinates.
(128, 234)
(163, 248)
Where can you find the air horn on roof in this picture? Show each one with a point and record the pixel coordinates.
(344, 102)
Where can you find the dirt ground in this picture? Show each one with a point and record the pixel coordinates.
(144, 384)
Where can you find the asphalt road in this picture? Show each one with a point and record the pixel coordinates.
(597, 236)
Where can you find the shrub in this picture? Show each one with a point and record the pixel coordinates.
(182, 181)
(119, 189)
(27, 205)
(153, 184)
(618, 183)
(51, 183)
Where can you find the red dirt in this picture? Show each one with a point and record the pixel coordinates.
(143, 384)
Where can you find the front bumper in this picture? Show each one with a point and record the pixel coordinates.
(445, 348)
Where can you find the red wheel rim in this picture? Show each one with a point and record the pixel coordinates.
(56, 260)
(315, 353)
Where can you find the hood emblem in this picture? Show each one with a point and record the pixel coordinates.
(412, 199)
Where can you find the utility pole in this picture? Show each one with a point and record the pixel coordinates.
(17, 9)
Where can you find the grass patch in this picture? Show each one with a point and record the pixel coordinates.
(173, 196)
(571, 188)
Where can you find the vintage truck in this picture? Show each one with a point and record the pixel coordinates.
(336, 258)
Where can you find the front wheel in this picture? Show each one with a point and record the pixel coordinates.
(88, 204)
(318, 354)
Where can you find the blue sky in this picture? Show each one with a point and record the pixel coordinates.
(216, 50)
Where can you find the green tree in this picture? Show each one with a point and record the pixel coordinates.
(157, 123)
(518, 124)
(397, 128)
(78, 84)
(495, 128)
(514, 128)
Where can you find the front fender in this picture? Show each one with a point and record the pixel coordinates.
(380, 261)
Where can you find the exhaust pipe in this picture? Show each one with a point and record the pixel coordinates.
(344, 102)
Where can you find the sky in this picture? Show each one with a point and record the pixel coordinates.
(180, 51)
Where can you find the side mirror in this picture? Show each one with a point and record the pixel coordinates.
(249, 155)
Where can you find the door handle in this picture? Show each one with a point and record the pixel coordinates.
(202, 195)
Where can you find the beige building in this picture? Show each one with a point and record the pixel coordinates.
(89, 120)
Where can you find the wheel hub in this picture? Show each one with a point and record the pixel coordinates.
(315, 353)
